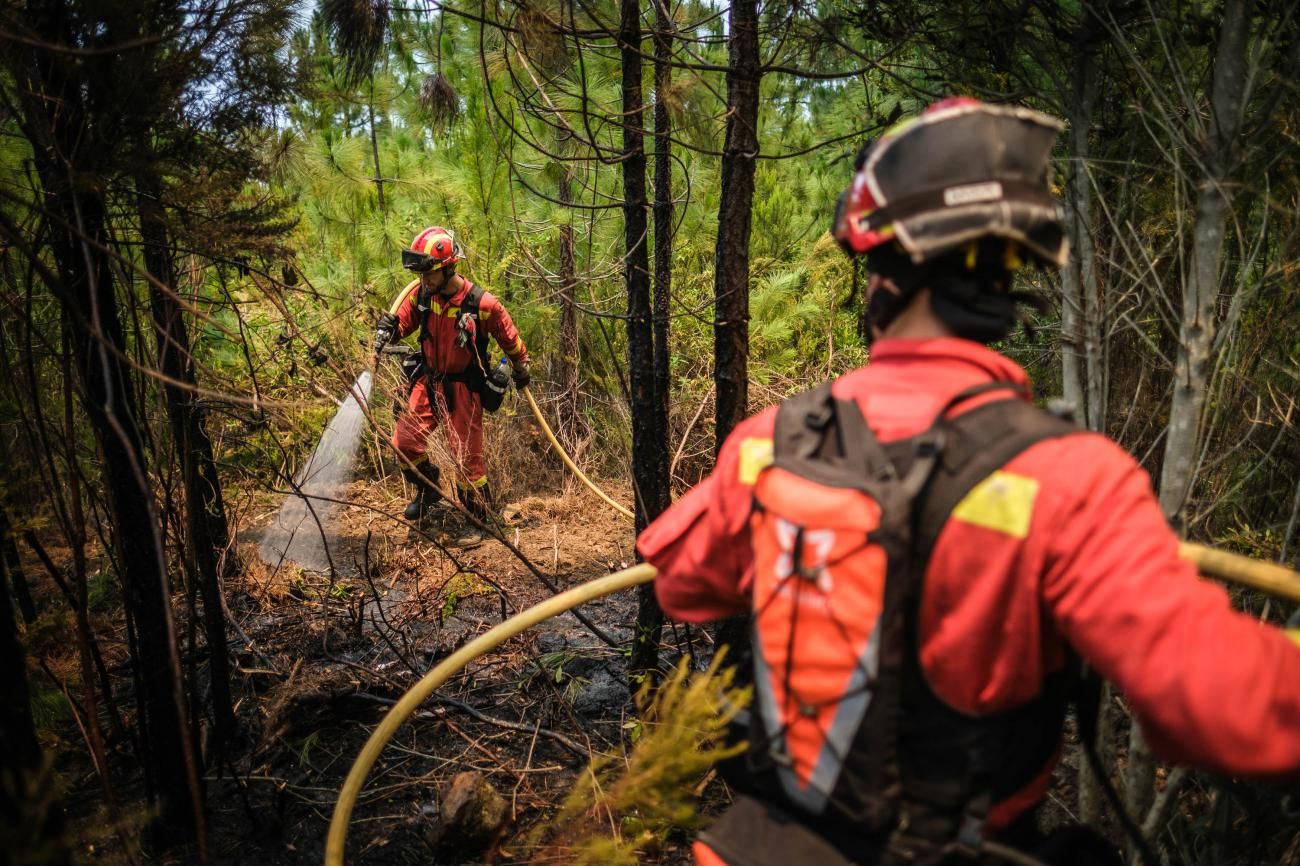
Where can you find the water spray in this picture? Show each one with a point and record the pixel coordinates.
(299, 534)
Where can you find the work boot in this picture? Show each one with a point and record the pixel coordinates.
(478, 504)
(424, 477)
(478, 501)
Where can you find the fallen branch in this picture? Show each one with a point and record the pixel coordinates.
(569, 744)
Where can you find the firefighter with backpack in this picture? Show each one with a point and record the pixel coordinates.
(928, 560)
(451, 379)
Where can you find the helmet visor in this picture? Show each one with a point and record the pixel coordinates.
(418, 262)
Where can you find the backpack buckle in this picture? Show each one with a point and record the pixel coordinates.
(929, 445)
(466, 330)
(820, 419)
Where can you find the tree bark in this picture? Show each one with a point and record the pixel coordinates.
(570, 351)
(1201, 284)
(663, 221)
(207, 533)
(1086, 330)
(374, 149)
(731, 259)
(14, 567)
(1082, 340)
(647, 463)
(55, 120)
(31, 819)
(1199, 321)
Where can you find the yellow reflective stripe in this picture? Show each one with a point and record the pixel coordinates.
(476, 483)
(484, 313)
(452, 312)
(1003, 502)
(1294, 634)
(755, 456)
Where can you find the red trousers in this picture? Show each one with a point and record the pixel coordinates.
(464, 425)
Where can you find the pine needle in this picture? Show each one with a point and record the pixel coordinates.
(540, 37)
(620, 808)
(357, 28)
(440, 100)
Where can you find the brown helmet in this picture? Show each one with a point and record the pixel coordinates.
(960, 172)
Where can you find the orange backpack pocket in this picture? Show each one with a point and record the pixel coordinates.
(818, 593)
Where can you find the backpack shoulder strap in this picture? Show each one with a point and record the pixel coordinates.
(473, 299)
(977, 443)
(800, 423)
(827, 439)
(472, 305)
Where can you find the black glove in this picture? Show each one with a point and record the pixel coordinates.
(384, 331)
(520, 374)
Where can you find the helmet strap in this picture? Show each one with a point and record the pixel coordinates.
(424, 300)
(885, 305)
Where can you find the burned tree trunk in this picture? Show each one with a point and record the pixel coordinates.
(207, 533)
(569, 348)
(731, 259)
(663, 220)
(31, 821)
(647, 463)
(56, 120)
(13, 566)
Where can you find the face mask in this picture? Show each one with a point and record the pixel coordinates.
(974, 313)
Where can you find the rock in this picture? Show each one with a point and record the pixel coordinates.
(551, 642)
(471, 814)
(603, 696)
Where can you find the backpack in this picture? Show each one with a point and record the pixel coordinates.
(851, 739)
(469, 328)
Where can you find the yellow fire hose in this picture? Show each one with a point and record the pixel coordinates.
(1266, 577)
(444, 670)
(1229, 567)
(402, 296)
(568, 461)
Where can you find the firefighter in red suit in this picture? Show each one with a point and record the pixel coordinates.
(1059, 553)
(453, 318)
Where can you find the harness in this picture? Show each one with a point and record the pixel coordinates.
(469, 331)
(847, 737)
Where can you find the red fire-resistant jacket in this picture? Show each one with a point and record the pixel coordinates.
(1096, 567)
(440, 351)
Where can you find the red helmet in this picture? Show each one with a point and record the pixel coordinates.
(959, 172)
(433, 248)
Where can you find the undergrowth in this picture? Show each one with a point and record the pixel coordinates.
(621, 808)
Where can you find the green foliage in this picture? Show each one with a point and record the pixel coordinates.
(619, 809)
(460, 586)
(50, 710)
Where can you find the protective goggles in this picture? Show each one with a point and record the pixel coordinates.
(419, 262)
